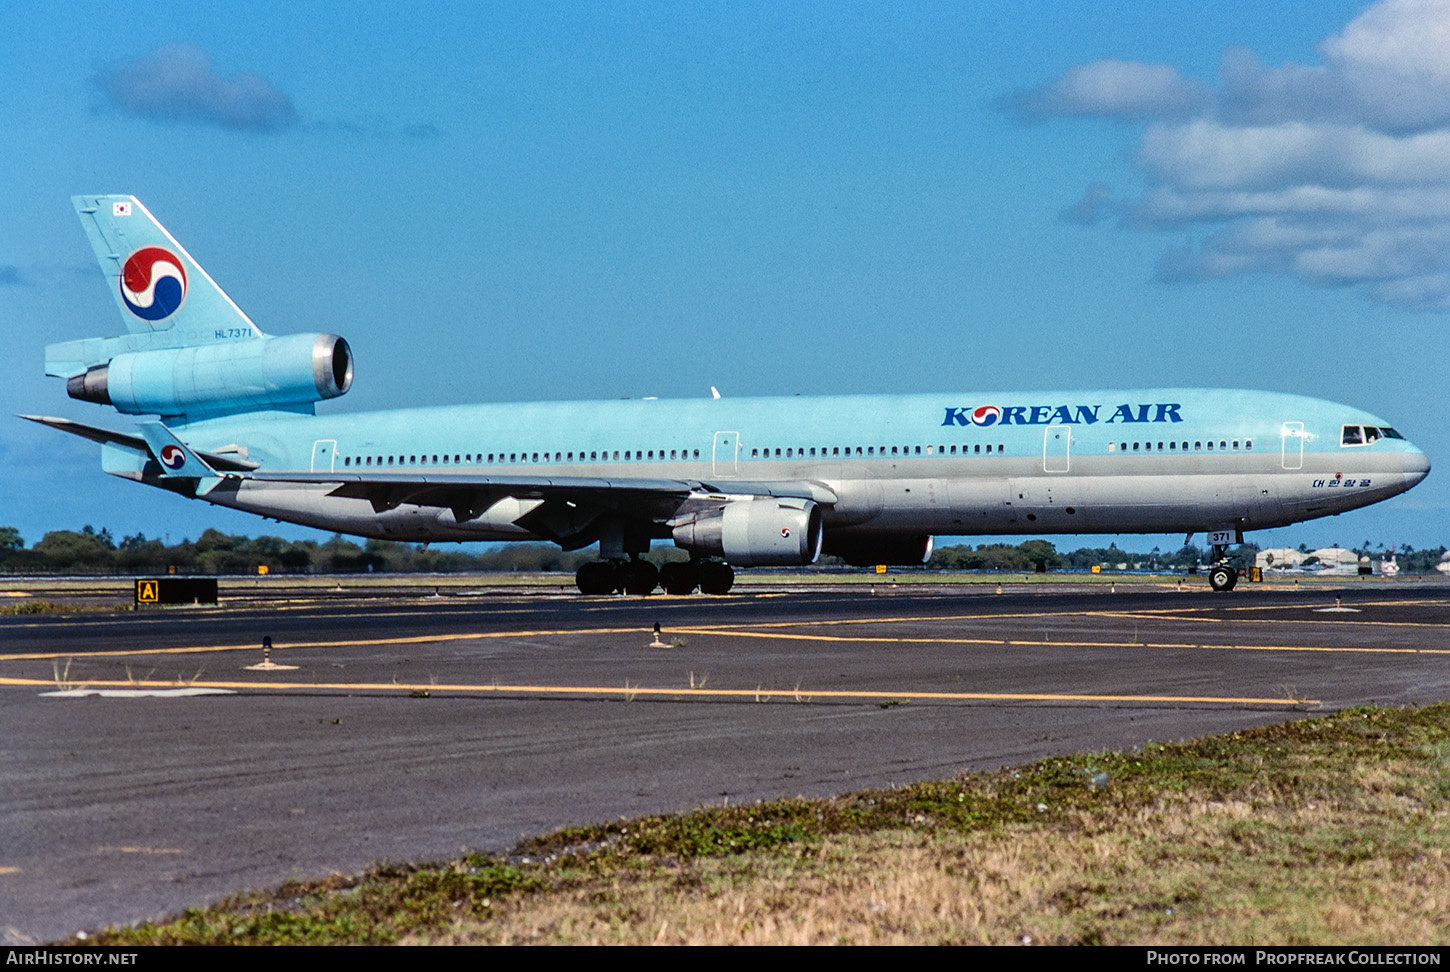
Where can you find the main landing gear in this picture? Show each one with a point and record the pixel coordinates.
(640, 577)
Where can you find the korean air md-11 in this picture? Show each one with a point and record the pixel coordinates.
(229, 418)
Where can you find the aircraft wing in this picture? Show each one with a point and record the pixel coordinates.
(568, 510)
(569, 507)
(364, 484)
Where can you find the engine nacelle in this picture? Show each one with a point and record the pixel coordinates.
(756, 532)
(224, 377)
(870, 551)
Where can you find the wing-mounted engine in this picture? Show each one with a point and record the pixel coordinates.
(869, 551)
(755, 532)
(268, 372)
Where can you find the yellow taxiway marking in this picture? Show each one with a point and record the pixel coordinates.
(1164, 614)
(1022, 642)
(131, 849)
(631, 691)
(751, 631)
(1148, 616)
(9, 870)
(354, 643)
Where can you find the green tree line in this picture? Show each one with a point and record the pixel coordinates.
(92, 551)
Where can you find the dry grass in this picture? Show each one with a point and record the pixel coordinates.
(1328, 831)
(1182, 872)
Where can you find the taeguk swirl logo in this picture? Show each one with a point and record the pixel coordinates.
(153, 283)
(985, 415)
(172, 457)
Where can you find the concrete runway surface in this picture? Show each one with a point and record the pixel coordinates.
(132, 796)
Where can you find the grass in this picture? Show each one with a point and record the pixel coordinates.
(42, 606)
(1332, 830)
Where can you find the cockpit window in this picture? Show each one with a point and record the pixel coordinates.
(1357, 435)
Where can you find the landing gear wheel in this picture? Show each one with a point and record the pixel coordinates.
(716, 578)
(637, 577)
(1223, 578)
(679, 578)
(595, 578)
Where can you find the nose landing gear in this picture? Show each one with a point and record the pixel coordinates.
(1222, 576)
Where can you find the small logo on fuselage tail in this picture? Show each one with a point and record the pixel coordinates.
(172, 457)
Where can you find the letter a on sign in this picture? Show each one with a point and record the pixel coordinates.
(147, 593)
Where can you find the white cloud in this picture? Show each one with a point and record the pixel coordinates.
(1211, 154)
(178, 83)
(1126, 90)
(1335, 174)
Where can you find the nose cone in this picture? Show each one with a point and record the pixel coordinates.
(1416, 466)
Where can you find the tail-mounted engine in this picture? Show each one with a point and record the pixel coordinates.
(269, 372)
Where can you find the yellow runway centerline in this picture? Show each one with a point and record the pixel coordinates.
(629, 692)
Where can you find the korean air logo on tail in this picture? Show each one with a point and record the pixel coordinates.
(985, 415)
(153, 283)
(172, 457)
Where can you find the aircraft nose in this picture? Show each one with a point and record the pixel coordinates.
(1416, 466)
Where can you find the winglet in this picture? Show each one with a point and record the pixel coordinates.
(176, 458)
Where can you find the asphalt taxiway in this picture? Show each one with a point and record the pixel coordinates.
(147, 768)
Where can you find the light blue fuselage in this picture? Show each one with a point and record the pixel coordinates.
(1102, 461)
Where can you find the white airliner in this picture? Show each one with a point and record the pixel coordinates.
(735, 481)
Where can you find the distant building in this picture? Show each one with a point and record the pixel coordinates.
(1279, 558)
(1336, 560)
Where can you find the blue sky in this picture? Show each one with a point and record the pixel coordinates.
(601, 201)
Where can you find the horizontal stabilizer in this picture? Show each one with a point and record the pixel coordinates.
(218, 463)
(173, 454)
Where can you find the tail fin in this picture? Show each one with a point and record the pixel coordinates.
(190, 351)
(158, 288)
